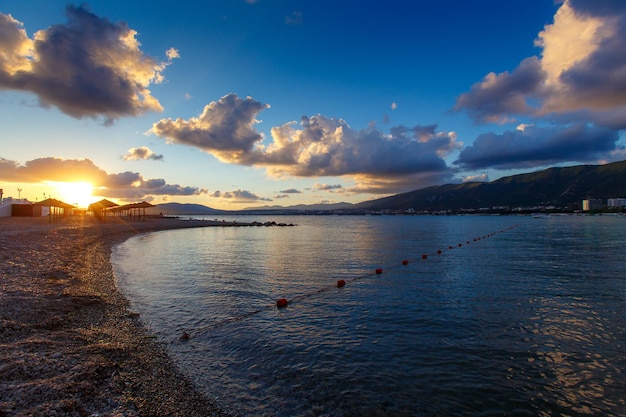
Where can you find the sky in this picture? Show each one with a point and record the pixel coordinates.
(247, 103)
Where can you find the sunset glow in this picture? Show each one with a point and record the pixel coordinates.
(75, 193)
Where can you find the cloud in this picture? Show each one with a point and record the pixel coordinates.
(51, 169)
(476, 178)
(581, 71)
(141, 153)
(318, 146)
(88, 67)
(225, 128)
(327, 187)
(239, 196)
(123, 185)
(290, 191)
(294, 18)
(323, 146)
(536, 146)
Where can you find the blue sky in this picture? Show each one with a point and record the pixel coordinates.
(236, 103)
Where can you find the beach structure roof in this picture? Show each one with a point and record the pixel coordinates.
(141, 205)
(101, 205)
(100, 208)
(52, 202)
(58, 209)
(135, 211)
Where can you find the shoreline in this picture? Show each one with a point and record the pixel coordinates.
(69, 345)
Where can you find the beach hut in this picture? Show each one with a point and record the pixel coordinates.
(136, 211)
(99, 209)
(56, 209)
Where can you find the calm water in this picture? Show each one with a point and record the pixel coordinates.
(529, 321)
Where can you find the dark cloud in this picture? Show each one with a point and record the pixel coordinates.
(327, 187)
(497, 97)
(290, 191)
(239, 196)
(88, 67)
(536, 146)
(142, 153)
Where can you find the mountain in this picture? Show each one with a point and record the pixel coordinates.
(560, 187)
(303, 207)
(169, 209)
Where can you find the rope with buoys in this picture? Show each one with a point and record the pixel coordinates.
(282, 303)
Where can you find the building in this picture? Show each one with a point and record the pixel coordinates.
(592, 204)
(616, 202)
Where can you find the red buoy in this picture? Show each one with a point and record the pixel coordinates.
(438, 251)
(379, 270)
(282, 302)
(341, 283)
(405, 262)
(449, 247)
(424, 256)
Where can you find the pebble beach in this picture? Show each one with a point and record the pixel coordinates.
(69, 345)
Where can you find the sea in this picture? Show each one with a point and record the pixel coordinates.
(439, 315)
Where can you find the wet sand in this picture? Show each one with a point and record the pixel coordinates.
(69, 345)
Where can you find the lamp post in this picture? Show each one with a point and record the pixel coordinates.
(19, 193)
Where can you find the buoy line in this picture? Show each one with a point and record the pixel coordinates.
(282, 303)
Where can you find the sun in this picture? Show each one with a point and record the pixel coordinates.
(78, 194)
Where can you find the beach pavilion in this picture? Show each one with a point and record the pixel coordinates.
(56, 209)
(131, 211)
(100, 208)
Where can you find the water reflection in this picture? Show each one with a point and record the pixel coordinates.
(527, 323)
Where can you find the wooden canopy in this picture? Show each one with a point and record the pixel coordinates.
(57, 208)
(131, 211)
(100, 208)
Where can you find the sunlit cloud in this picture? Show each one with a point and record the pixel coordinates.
(123, 185)
(142, 153)
(88, 67)
(476, 178)
(580, 75)
(225, 128)
(172, 53)
(316, 147)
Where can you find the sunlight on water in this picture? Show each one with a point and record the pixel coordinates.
(529, 321)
